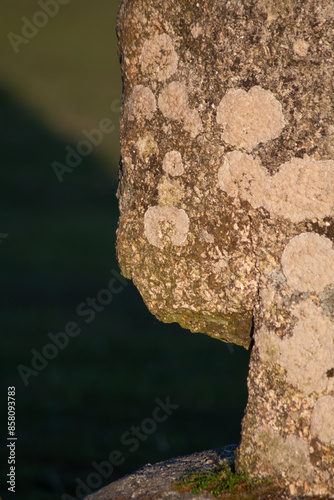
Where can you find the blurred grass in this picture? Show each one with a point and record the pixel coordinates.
(60, 250)
(69, 72)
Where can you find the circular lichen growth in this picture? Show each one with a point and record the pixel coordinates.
(158, 57)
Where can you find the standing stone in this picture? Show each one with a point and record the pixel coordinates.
(227, 202)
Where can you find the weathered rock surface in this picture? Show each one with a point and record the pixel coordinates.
(158, 480)
(227, 203)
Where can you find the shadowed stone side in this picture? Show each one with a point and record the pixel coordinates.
(227, 203)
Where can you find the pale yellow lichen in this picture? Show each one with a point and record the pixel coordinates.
(308, 262)
(322, 425)
(141, 104)
(158, 58)
(302, 189)
(163, 224)
(249, 118)
(172, 163)
(147, 146)
(308, 353)
(170, 191)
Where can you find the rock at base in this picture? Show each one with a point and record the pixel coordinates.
(157, 481)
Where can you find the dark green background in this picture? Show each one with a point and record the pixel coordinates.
(60, 249)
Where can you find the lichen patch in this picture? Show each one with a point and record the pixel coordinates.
(173, 101)
(163, 224)
(241, 175)
(302, 189)
(147, 146)
(170, 191)
(192, 122)
(289, 454)
(173, 104)
(308, 354)
(322, 425)
(294, 457)
(141, 104)
(249, 118)
(172, 164)
(159, 59)
(308, 262)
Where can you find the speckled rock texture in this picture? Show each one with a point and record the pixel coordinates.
(160, 481)
(157, 481)
(227, 201)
